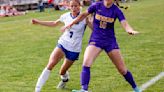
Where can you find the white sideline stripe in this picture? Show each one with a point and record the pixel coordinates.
(152, 81)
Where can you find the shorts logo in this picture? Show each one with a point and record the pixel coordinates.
(92, 43)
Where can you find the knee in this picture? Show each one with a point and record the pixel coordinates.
(87, 62)
(51, 64)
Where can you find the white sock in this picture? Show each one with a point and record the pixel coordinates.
(42, 79)
(65, 76)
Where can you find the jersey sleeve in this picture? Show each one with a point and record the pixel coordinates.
(62, 17)
(92, 8)
(120, 15)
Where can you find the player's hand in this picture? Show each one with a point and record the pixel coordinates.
(132, 32)
(65, 27)
(62, 29)
(34, 21)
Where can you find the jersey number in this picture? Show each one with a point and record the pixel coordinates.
(71, 34)
(103, 24)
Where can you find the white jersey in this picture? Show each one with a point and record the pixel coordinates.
(71, 39)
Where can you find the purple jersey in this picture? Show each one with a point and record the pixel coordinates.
(103, 24)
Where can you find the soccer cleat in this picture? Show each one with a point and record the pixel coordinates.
(61, 85)
(64, 80)
(137, 89)
(81, 90)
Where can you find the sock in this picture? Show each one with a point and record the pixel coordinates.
(42, 79)
(129, 78)
(65, 77)
(85, 77)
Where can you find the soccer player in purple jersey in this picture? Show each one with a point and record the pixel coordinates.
(103, 38)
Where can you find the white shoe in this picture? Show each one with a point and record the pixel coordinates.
(61, 85)
(64, 80)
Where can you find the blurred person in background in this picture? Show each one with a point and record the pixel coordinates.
(41, 6)
(2, 11)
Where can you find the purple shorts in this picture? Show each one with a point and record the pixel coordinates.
(105, 45)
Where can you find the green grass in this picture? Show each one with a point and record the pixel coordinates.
(25, 49)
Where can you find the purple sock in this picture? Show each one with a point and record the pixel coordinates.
(85, 77)
(129, 78)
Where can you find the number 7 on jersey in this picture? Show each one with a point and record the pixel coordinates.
(71, 34)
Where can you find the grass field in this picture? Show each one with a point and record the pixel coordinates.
(25, 50)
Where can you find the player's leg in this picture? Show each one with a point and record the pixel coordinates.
(55, 57)
(69, 60)
(90, 55)
(64, 74)
(117, 59)
(65, 66)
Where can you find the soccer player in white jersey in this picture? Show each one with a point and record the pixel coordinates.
(69, 45)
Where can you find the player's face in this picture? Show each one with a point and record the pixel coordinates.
(108, 1)
(75, 7)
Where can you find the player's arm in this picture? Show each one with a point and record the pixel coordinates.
(46, 23)
(89, 21)
(128, 28)
(124, 23)
(78, 19)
